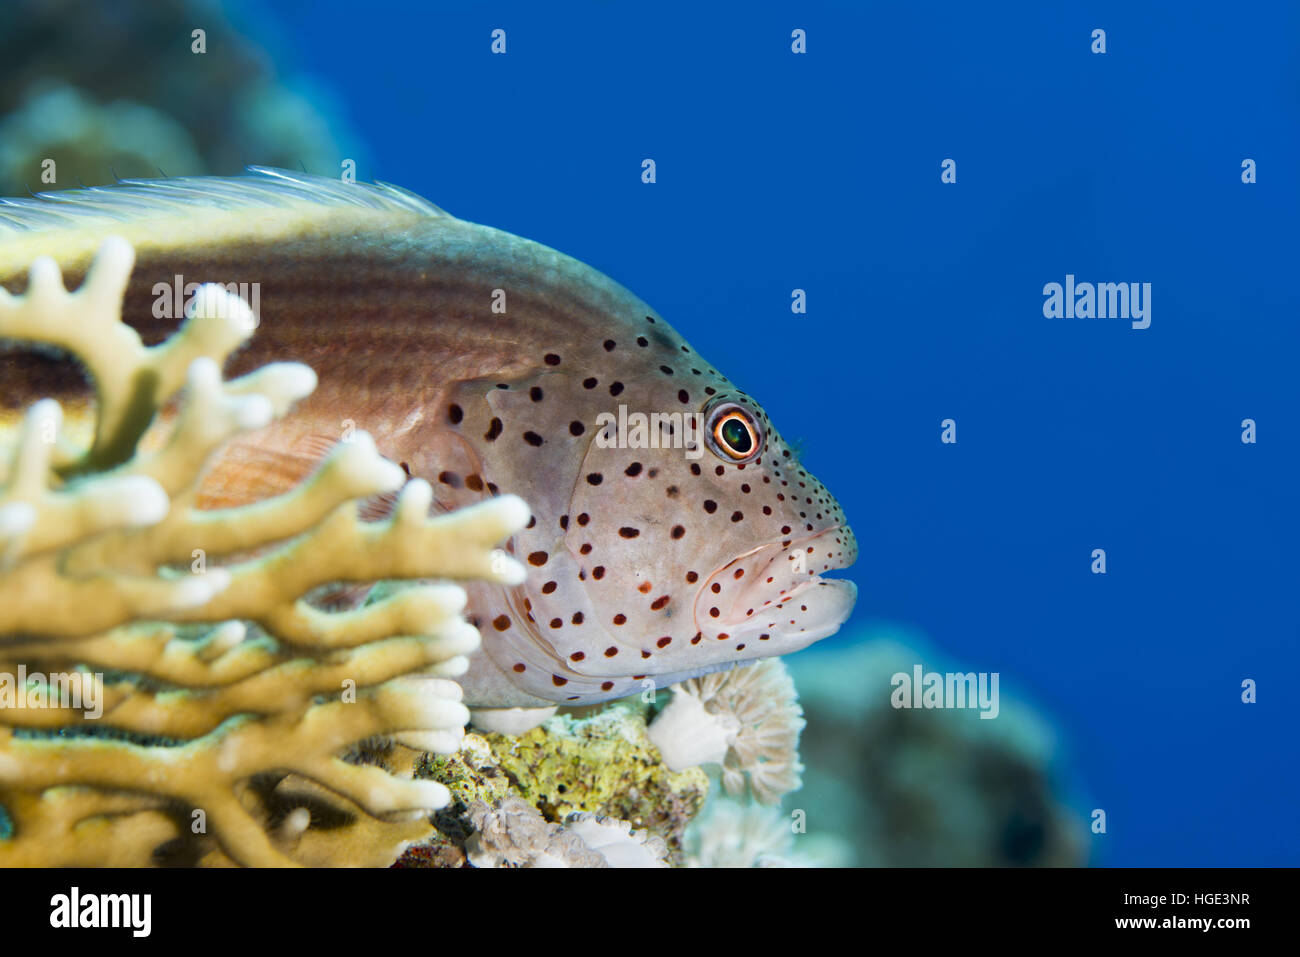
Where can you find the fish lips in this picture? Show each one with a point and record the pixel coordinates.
(773, 599)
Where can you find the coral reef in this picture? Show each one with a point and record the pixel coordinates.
(746, 720)
(175, 697)
(573, 769)
(60, 122)
(172, 692)
(65, 96)
(514, 834)
(730, 834)
(916, 787)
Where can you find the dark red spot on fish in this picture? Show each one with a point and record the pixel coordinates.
(537, 558)
(501, 622)
(533, 439)
(454, 414)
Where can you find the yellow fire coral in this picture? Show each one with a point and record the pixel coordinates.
(167, 692)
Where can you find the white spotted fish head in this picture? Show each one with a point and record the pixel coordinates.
(674, 530)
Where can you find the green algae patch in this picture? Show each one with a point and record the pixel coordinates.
(598, 761)
(603, 763)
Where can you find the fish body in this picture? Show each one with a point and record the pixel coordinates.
(674, 531)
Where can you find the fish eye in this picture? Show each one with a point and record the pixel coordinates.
(733, 433)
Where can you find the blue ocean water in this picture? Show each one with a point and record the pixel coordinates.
(821, 171)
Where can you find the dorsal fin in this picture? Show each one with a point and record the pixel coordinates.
(132, 200)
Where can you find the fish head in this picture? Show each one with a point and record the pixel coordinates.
(714, 547)
(674, 533)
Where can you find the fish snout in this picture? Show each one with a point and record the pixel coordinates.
(776, 593)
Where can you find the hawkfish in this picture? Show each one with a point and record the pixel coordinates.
(673, 532)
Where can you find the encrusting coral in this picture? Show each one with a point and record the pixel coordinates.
(225, 699)
(572, 769)
(513, 833)
(746, 720)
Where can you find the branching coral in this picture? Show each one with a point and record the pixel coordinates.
(747, 720)
(223, 698)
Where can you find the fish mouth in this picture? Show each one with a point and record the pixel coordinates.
(775, 599)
